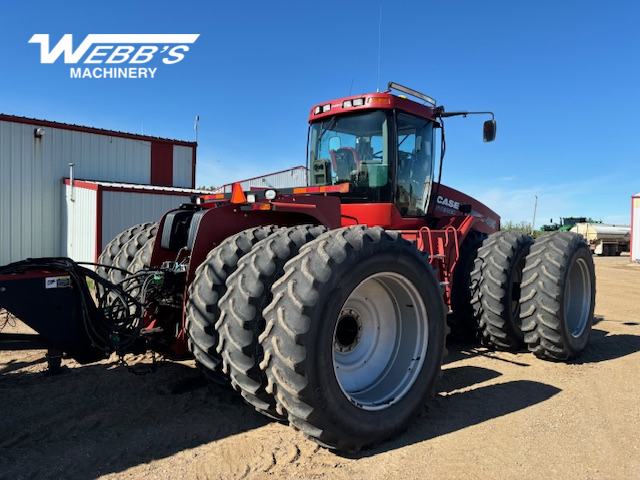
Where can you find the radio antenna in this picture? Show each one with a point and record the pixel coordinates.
(379, 43)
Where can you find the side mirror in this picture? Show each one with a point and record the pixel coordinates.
(489, 131)
(335, 143)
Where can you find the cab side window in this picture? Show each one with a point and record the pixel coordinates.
(414, 168)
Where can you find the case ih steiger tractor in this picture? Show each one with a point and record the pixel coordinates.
(325, 306)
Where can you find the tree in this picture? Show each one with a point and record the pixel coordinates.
(520, 226)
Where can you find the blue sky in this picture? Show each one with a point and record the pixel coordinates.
(563, 79)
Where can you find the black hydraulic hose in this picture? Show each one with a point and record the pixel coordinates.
(115, 301)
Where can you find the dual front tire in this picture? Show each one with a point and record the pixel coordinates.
(340, 333)
(354, 337)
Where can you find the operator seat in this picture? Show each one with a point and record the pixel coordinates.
(345, 162)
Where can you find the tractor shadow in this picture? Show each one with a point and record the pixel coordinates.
(461, 401)
(603, 347)
(455, 410)
(99, 419)
(459, 405)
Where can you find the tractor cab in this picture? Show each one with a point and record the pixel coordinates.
(382, 145)
(383, 151)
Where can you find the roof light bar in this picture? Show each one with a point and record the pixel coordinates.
(356, 102)
(413, 93)
(322, 109)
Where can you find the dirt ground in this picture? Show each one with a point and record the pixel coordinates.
(495, 416)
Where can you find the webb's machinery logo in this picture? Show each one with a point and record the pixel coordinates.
(116, 53)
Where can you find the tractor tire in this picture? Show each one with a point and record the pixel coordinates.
(241, 320)
(142, 258)
(207, 288)
(558, 296)
(354, 337)
(496, 280)
(114, 246)
(462, 321)
(139, 244)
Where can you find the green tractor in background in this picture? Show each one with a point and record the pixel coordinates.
(566, 224)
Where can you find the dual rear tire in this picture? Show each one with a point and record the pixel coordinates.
(539, 295)
(127, 254)
(558, 296)
(129, 251)
(496, 280)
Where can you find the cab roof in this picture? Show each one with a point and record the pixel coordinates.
(367, 102)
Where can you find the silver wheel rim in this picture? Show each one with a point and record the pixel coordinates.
(380, 341)
(578, 298)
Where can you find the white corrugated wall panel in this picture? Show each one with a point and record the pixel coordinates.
(80, 218)
(99, 157)
(121, 210)
(182, 161)
(30, 197)
(635, 228)
(31, 173)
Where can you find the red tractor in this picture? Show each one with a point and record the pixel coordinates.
(327, 306)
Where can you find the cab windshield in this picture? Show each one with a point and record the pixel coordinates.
(381, 163)
(352, 149)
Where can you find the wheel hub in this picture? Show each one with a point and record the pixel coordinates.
(348, 331)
